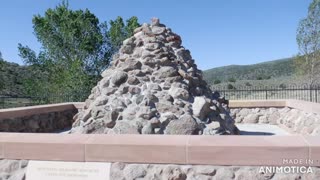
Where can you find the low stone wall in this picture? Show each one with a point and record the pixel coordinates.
(16, 169)
(40, 119)
(294, 120)
(44, 122)
(174, 157)
(200, 172)
(163, 157)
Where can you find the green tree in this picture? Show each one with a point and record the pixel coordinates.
(119, 31)
(68, 35)
(308, 39)
(39, 68)
(76, 48)
(69, 38)
(1, 59)
(1, 75)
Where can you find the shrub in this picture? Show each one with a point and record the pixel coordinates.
(230, 86)
(217, 81)
(259, 78)
(233, 80)
(282, 86)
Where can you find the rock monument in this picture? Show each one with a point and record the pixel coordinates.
(153, 86)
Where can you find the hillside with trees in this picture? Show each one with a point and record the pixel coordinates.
(270, 70)
(12, 78)
(301, 69)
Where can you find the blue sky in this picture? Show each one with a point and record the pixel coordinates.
(217, 32)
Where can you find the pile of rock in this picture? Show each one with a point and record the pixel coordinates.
(153, 86)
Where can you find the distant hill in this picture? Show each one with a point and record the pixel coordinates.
(271, 70)
(12, 76)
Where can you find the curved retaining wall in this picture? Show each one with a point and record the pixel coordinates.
(166, 157)
(293, 120)
(297, 117)
(43, 118)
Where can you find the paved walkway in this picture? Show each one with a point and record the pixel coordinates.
(64, 131)
(245, 129)
(261, 129)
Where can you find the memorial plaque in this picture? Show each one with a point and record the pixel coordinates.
(53, 170)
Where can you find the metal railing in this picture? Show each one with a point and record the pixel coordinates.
(299, 92)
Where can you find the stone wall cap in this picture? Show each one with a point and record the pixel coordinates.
(168, 149)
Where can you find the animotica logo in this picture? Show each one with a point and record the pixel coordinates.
(285, 169)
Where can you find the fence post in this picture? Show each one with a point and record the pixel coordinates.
(266, 94)
(2, 102)
(316, 93)
(310, 93)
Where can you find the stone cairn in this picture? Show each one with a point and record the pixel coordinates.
(153, 86)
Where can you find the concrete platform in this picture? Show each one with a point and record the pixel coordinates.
(261, 130)
(245, 129)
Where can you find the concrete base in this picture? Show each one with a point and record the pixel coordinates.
(261, 129)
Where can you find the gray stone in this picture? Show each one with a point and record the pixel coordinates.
(205, 170)
(146, 112)
(130, 65)
(179, 93)
(139, 99)
(274, 117)
(177, 174)
(201, 107)
(133, 80)
(119, 77)
(127, 49)
(19, 175)
(110, 117)
(167, 117)
(164, 107)
(104, 83)
(134, 171)
(134, 90)
(125, 127)
(224, 173)
(155, 122)
(155, 21)
(316, 131)
(101, 100)
(147, 129)
(153, 87)
(165, 72)
(280, 176)
(152, 46)
(185, 125)
(158, 30)
(109, 91)
(129, 41)
(251, 118)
